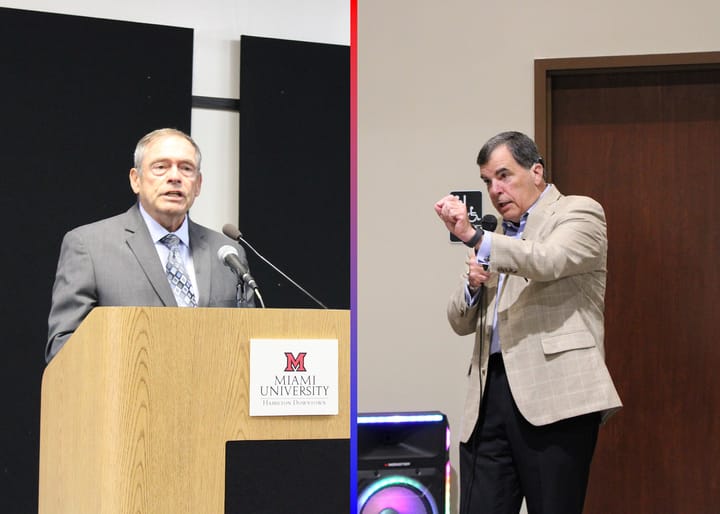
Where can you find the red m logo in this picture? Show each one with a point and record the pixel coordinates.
(295, 363)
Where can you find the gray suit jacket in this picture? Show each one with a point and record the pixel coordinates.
(113, 262)
(550, 315)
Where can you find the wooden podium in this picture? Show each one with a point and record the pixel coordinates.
(139, 404)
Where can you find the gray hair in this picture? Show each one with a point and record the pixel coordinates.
(157, 134)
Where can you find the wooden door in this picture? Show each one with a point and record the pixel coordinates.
(642, 135)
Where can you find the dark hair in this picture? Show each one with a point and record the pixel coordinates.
(522, 148)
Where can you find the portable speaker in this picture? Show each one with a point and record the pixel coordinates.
(403, 463)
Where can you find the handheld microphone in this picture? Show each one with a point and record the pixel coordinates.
(234, 233)
(231, 258)
(488, 223)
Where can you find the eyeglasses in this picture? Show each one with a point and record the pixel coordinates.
(186, 169)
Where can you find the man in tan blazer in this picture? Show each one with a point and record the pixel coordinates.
(533, 294)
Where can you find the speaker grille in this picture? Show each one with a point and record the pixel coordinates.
(397, 495)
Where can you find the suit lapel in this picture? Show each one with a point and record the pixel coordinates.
(202, 261)
(514, 284)
(142, 246)
(540, 213)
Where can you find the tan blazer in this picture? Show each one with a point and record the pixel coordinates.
(550, 315)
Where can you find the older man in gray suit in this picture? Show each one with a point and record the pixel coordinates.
(533, 294)
(151, 255)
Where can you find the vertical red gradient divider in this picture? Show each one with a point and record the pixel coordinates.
(353, 256)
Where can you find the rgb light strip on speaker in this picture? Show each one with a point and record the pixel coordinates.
(397, 495)
(400, 418)
(401, 494)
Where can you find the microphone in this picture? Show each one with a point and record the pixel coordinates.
(488, 223)
(234, 233)
(231, 258)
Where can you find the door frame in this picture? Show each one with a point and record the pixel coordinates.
(547, 69)
(546, 73)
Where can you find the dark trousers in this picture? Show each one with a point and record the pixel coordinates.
(507, 458)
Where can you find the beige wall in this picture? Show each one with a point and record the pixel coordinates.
(436, 79)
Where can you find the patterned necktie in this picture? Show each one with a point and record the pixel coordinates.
(176, 273)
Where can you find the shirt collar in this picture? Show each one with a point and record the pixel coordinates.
(157, 231)
(512, 227)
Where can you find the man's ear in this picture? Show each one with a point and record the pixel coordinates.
(198, 185)
(134, 177)
(538, 171)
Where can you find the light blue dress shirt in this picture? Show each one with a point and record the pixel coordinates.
(157, 232)
(484, 252)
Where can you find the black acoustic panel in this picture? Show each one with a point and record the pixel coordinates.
(402, 463)
(75, 96)
(306, 476)
(295, 168)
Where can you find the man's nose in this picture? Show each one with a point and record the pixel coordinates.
(173, 173)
